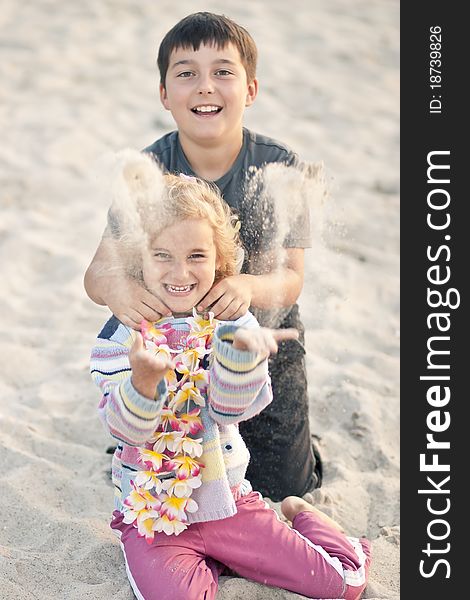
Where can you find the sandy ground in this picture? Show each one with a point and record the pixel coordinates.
(79, 79)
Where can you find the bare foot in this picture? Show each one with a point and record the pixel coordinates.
(293, 505)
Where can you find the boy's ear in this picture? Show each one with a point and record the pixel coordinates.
(164, 97)
(252, 92)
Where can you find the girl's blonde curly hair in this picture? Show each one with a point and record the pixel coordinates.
(192, 198)
(154, 201)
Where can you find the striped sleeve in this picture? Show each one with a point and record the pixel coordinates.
(127, 415)
(240, 386)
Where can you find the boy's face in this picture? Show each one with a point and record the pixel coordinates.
(179, 264)
(207, 91)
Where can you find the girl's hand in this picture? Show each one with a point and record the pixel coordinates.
(147, 370)
(263, 341)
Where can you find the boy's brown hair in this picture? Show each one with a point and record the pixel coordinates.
(208, 29)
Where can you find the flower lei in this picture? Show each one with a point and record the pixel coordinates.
(161, 492)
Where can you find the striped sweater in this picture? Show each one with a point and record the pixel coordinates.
(239, 388)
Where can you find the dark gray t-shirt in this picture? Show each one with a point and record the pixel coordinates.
(240, 188)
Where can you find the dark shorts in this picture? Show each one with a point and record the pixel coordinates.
(283, 461)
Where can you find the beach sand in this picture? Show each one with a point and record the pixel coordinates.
(79, 80)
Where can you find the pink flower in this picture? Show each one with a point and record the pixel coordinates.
(185, 466)
(190, 422)
(173, 507)
(141, 508)
(151, 332)
(168, 417)
(152, 459)
(140, 499)
(145, 525)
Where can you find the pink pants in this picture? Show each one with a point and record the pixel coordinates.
(314, 559)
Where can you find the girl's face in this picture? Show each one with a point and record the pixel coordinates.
(179, 264)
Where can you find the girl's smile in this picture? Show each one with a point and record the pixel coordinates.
(179, 290)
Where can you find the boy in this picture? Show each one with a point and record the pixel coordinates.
(207, 69)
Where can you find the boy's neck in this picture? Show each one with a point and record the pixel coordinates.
(212, 160)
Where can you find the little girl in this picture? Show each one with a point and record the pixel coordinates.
(173, 396)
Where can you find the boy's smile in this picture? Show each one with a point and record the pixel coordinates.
(205, 110)
(179, 264)
(207, 91)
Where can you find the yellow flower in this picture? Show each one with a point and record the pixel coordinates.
(188, 392)
(200, 377)
(174, 508)
(141, 506)
(153, 459)
(201, 326)
(171, 380)
(140, 499)
(186, 466)
(145, 524)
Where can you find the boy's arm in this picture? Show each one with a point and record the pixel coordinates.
(233, 296)
(132, 396)
(106, 283)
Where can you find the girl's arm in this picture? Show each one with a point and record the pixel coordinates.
(129, 415)
(240, 386)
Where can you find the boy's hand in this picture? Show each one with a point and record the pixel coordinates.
(147, 370)
(263, 341)
(231, 298)
(131, 303)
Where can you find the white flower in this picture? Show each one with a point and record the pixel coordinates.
(181, 488)
(169, 526)
(167, 440)
(192, 447)
(148, 480)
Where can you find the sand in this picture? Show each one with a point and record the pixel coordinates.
(79, 80)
